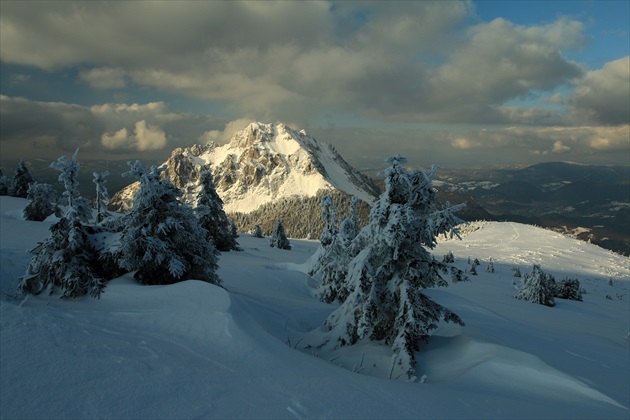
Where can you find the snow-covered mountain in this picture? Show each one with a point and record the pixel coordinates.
(195, 350)
(262, 163)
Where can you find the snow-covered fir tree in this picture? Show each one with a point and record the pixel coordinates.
(212, 217)
(102, 196)
(332, 257)
(233, 229)
(473, 270)
(279, 237)
(537, 287)
(69, 176)
(5, 184)
(568, 289)
(517, 272)
(449, 258)
(392, 266)
(329, 216)
(43, 202)
(458, 275)
(490, 267)
(67, 259)
(162, 238)
(22, 178)
(349, 227)
(257, 233)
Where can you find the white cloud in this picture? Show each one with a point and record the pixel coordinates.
(602, 95)
(225, 135)
(559, 147)
(104, 78)
(145, 137)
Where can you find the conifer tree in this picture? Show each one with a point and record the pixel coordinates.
(349, 228)
(69, 176)
(257, 232)
(102, 196)
(5, 184)
(211, 216)
(22, 178)
(392, 266)
(161, 238)
(490, 267)
(43, 202)
(278, 237)
(568, 289)
(537, 287)
(66, 260)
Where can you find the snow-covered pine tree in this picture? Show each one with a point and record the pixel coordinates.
(43, 202)
(212, 217)
(568, 289)
(517, 272)
(162, 238)
(5, 184)
(449, 258)
(537, 287)
(257, 232)
(233, 229)
(279, 238)
(458, 275)
(69, 175)
(332, 257)
(102, 196)
(387, 275)
(66, 259)
(349, 228)
(490, 267)
(321, 256)
(473, 270)
(22, 178)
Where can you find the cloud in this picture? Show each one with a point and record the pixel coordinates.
(47, 129)
(104, 78)
(225, 135)
(144, 137)
(601, 96)
(412, 61)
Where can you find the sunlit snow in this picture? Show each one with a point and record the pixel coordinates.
(195, 350)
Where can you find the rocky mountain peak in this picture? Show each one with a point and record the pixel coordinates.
(262, 163)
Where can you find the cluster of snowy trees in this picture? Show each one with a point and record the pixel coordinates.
(18, 185)
(162, 239)
(541, 288)
(377, 273)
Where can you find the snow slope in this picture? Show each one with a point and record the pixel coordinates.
(194, 350)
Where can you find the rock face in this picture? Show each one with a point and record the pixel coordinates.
(262, 163)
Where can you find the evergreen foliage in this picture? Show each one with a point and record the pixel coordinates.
(5, 184)
(43, 202)
(257, 233)
(490, 267)
(300, 215)
(349, 228)
(473, 270)
(517, 272)
(22, 178)
(391, 266)
(568, 289)
(537, 287)
(69, 175)
(449, 258)
(67, 259)
(331, 260)
(211, 216)
(102, 196)
(279, 238)
(161, 238)
(458, 275)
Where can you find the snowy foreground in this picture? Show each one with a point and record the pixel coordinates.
(195, 350)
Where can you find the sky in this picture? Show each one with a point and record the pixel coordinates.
(458, 84)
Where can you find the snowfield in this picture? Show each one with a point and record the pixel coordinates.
(195, 350)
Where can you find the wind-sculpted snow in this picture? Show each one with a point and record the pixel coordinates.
(196, 350)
